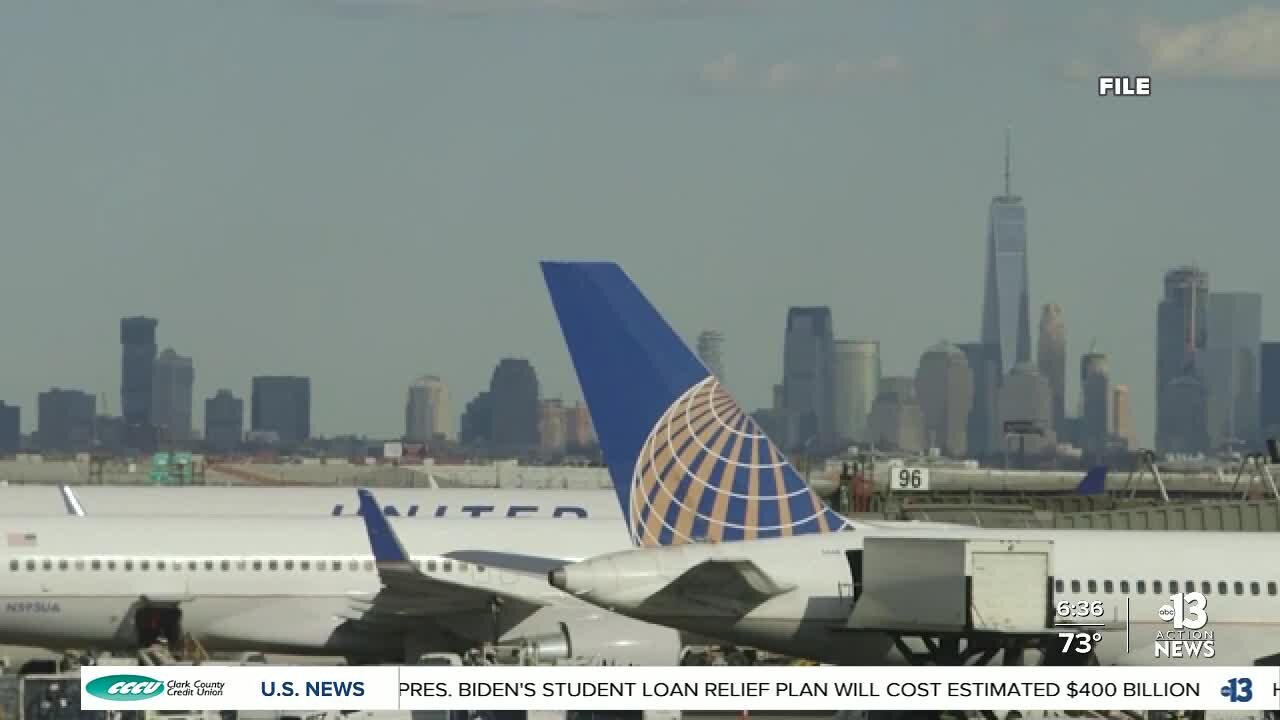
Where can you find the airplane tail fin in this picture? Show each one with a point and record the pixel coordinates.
(687, 463)
(1094, 482)
(70, 500)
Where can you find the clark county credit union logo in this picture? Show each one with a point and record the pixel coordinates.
(124, 687)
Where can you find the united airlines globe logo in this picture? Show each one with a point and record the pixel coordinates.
(708, 473)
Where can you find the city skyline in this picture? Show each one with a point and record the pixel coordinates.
(812, 175)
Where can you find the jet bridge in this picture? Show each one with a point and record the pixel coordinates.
(986, 595)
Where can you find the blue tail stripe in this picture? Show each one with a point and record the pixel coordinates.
(741, 486)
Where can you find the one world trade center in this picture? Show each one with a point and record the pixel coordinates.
(1006, 305)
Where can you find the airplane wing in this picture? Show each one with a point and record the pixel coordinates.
(530, 565)
(409, 592)
(720, 586)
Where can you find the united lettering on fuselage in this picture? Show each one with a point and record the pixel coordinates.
(32, 606)
(474, 511)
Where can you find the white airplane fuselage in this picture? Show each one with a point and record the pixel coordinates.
(809, 620)
(214, 500)
(287, 585)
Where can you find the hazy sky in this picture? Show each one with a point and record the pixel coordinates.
(359, 190)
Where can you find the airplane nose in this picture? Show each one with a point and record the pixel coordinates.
(556, 578)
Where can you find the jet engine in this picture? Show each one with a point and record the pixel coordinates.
(562, 633)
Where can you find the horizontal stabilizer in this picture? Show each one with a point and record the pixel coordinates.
(733, 587)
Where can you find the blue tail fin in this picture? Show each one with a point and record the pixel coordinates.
(687, 463)
(1094, 482)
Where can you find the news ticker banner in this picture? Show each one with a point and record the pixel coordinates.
(281, 687)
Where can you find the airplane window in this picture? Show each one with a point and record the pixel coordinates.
(62, 564)
(241, 565)
(95, 565)
(1255, 588)
(1075, 586)
(1222, 588)
(288, 564)
(31, 565)
(192, 565)
(1206, 587)
(353, 565)
(431, 566)
(273, 565)
(1107, 586)
(128, 565)
(321, 565)
(226, 566)
(336, 566)
(13, 565)
(368, 566)
(80, 564)
(111, 566)
(160, 564)
(304, 565)
(1156, 586)
(479, 568)
(46, 564)
(257, 564)
(1093, 586)
(1271, 588)
(1124, 586)
(145, 565)
(1190, 586)
(1239, 588)
(208, 565)
(1060, 586)
(447, 566)
(1142, 587)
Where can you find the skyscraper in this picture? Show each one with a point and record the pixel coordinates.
(1006, 304)
(984, 416)
(944, 388)
(1099, 413)
(513, 390)
(282, 405)
(808, 378)
(1184, 402)
(1122, 416)
(711, 351)
(138, 342)
(427, 412)
(1269, 395)
(171, 386)
(223, 422)
(10, 429)
(1234, 338)
(553, 429)
(1051, 358)
(896, 421)
(857, 379)
(475, 428)
(65, 420)
(581, 434)
(1026, 396)
(1181, 336)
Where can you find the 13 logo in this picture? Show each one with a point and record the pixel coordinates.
(1185, 610)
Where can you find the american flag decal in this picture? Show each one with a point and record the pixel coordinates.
(21, 539)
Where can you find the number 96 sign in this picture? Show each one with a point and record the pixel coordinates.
(905, 478)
